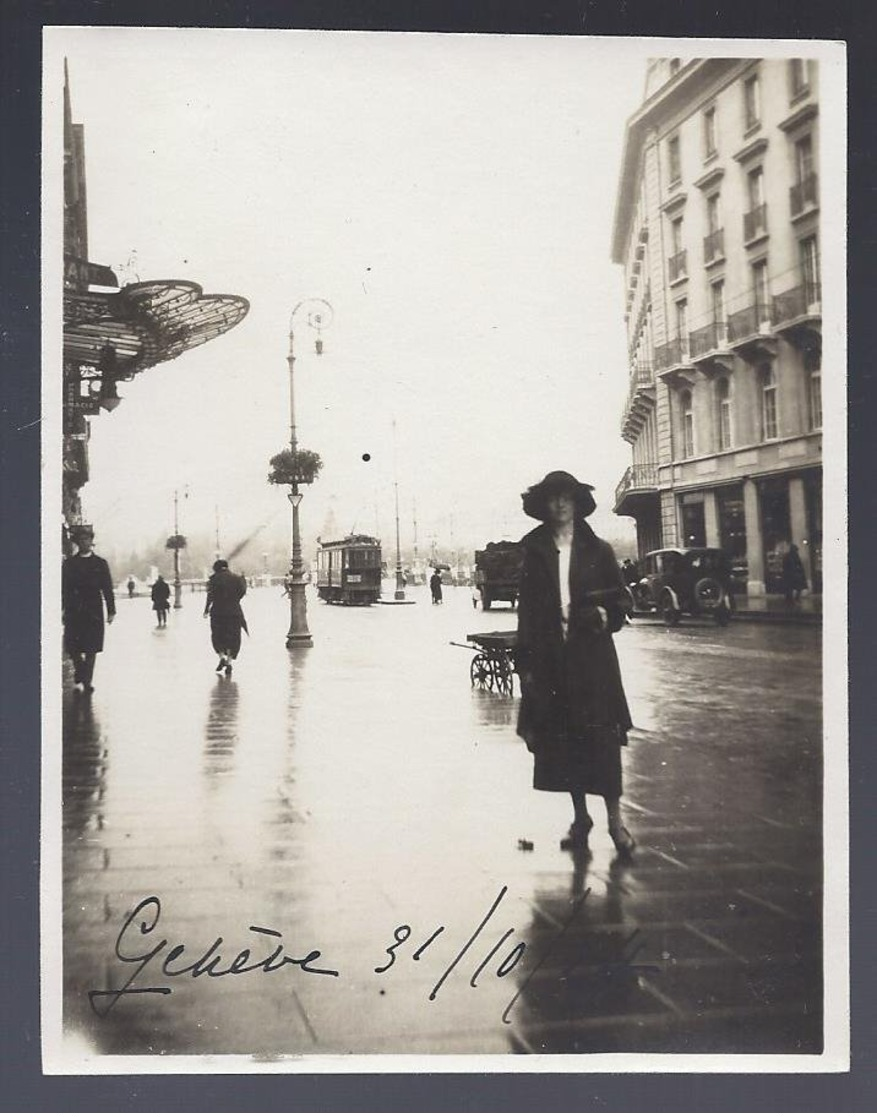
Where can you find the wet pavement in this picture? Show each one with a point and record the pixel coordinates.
(359, 799)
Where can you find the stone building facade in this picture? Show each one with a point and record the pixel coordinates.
(717, 228)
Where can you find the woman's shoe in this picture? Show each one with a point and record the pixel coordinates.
(577, 838)
(228, 670)
(221, 665)
(623, 839)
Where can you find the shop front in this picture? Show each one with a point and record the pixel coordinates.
(731, 516)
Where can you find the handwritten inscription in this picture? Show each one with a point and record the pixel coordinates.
(134, 947)
(483, 954)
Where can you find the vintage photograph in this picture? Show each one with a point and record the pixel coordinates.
(443, 535)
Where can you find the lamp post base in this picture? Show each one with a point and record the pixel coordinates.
(298, 635)
(178, 590)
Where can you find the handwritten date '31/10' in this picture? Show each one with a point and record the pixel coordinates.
(138, 945)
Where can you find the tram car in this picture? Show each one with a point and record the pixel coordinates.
(349, 570)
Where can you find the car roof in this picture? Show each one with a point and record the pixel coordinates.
(686, 551)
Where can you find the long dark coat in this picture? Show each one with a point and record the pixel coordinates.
(573, 714)
(85, 586)
(224, 593)
(161, 596)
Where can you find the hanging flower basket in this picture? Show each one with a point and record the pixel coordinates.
(175, 543)
(301, 468)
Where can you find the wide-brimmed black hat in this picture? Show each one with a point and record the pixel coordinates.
(535, 499)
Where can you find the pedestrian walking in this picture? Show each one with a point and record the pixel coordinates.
(573, 715)
(86, 585)
(629, 572)
(794, 575)
(435, 586)
(161, 596)
(224, 593)
(131, 587)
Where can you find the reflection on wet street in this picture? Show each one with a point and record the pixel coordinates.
(338, 849)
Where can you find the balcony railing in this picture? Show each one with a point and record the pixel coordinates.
(755, 222)
(673, 353)
(708, 338)
(677, 265)
(641, 380)
(749, 321)
(797, 303)
(714, 246)
(640, 477)
(641, 376)
(803, 194)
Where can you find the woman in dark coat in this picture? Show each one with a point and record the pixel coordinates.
(224, 593)
(161, 596)
(85, 586)
(573, 713)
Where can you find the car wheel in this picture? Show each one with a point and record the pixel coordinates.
(708, 593)
(669, 611)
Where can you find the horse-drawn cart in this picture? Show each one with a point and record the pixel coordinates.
(493, 665)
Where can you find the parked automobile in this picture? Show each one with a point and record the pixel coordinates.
(685, 580)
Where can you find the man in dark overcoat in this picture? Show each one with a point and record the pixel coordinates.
(573, 715)
(86, 585)
(223, 604)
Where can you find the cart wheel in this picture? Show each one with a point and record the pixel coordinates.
(503, 676)
(481, 671)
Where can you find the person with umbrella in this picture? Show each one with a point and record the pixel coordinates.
(223, 605)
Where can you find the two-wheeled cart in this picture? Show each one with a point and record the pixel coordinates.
(493, 665)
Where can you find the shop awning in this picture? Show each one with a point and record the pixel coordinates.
(146, 323)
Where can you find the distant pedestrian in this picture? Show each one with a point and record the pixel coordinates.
(224, 593)
(435, 586)
(86, 585)
(794, 575)
(131, 587)
(573, 713)
(630, 572)
(161, 596)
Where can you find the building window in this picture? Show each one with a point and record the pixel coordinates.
(717, 301)
(767, 377)
(713, 212)
(761, 291)
(755, 188)
(813, 369)
(687, 411)
(809, 255)
(710, 146)
(678, 265)
(755, 221)
(723, 417)
(804, 158)
(674, 159)
(799, 77)
(713, 244)
(802, 194)
(752, 102)
(682, 325)
(676, 235)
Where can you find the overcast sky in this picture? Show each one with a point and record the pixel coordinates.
(450, 196)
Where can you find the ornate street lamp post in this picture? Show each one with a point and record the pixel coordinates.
(175, 544)
(319, 317)
(399, 594)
